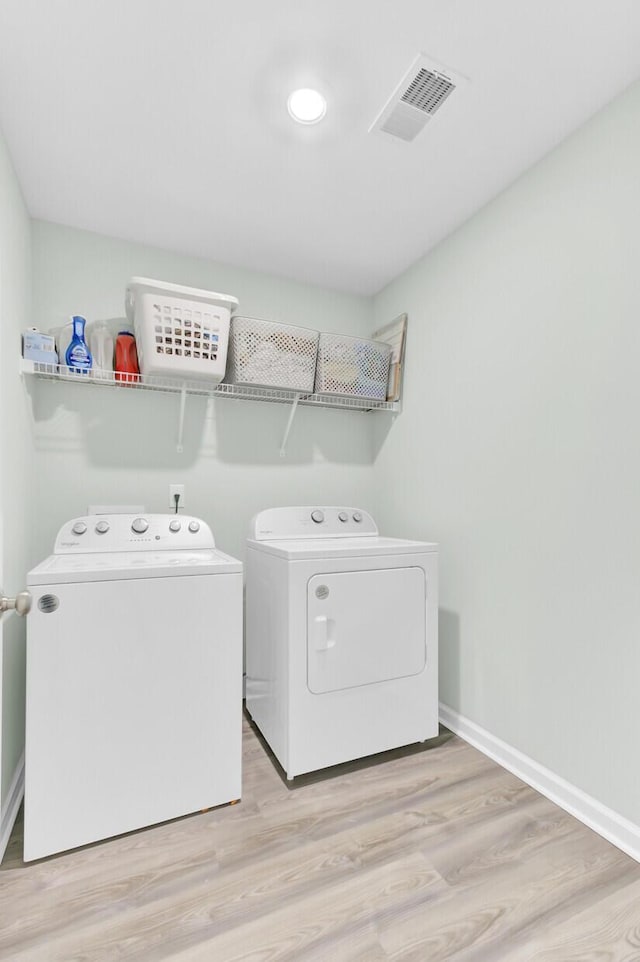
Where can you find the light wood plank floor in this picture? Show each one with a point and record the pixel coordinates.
(427, 853)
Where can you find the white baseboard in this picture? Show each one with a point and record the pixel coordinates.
(612, 826)
(11, 806)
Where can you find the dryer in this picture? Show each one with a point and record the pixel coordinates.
(134, 679)
(341, 636)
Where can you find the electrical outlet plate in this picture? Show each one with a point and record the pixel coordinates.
(173, 490)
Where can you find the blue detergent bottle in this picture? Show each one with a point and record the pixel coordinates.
(78, 355)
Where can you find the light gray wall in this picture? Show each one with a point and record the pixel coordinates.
(16, 461)
(100, 445)
(519, 451)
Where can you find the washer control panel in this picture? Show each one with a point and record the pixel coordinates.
(130, 532)
(280, 524)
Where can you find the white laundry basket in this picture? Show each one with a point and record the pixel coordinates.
(180, 331)
(269, 354)
(352, 367)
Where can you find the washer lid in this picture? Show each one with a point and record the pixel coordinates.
(128, 565)
(298, 549)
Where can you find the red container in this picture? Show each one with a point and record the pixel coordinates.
(126, 362)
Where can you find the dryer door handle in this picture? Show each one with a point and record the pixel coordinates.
(324, 632)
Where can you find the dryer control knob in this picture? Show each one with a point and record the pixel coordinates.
(317, 516)
(194, 526)
(343, 516)
(174, 526)
(357, 516)
(102, 527)
(79, 527)
(140, 525)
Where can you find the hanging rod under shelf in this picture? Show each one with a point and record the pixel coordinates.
(177, 385)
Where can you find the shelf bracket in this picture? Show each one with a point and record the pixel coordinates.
(287, 430)
(183, 404)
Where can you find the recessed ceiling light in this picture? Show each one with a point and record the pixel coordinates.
(307, 106)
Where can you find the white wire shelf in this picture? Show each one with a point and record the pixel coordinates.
(136, 382)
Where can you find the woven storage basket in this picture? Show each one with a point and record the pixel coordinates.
(352, 367)
(268, 354)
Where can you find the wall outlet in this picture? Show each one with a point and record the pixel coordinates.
(179, 490)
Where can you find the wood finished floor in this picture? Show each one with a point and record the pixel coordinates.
(421, 854)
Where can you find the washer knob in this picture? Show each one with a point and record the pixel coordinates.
(357, 516)
(174, 526)
(140, 525)
(317, 516)
(79, 527)
(194, 526)
(343, 516)
(102, 527)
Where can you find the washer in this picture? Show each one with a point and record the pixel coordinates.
(341, 636)
(134, 679)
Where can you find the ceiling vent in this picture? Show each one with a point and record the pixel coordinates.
(418, 97)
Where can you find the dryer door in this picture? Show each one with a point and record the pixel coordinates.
(365, 627)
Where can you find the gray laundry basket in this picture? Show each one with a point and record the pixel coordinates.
(273, 355)
(352, 367)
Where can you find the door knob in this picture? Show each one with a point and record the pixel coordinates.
(21, 604)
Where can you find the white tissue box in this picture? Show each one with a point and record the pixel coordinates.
(39, 347)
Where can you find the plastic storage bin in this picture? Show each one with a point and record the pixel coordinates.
(268, 354)
(180, 331)
(352, 367)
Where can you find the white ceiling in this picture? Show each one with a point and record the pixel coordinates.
(164, 121)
